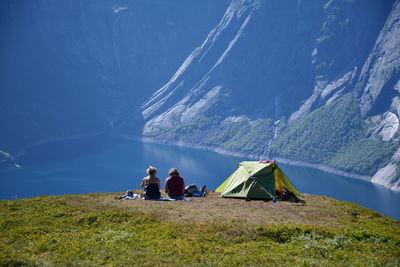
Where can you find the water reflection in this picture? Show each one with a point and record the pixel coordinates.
(196, 166)
(364, 193)
(120, 165)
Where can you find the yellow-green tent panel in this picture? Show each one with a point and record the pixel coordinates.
(256, 180)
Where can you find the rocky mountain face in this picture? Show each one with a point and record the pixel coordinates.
(311, 81)
(79, 68)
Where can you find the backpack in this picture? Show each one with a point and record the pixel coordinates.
(193, 191)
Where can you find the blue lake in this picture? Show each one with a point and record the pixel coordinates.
(112, 165)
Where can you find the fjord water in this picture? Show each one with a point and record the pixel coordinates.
(104, 164)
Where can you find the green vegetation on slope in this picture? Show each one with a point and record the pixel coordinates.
(365, 155)
(95, 229)
(242, 135)
(333, 135)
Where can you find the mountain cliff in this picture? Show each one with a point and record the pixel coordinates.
(309, 81)
(315, 82)
(73, 68)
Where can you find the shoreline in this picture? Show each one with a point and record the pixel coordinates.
(325, 168)
(22, 150)
(215, 149)
(222, 151)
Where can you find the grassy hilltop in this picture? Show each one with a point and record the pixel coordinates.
(96, 229)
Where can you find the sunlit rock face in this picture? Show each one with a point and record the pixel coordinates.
(386, 126)
(239, 77)
(380, 87)
(380, 74)
(388, 176)
(291, 65)
(283, 61)
(193, 89)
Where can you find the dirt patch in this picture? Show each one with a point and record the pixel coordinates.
(212, 208)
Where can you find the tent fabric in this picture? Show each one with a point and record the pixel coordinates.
(256, 180)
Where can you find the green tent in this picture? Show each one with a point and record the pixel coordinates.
(256, 180)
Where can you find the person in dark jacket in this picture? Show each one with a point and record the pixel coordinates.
(175, 185)
(151, 184)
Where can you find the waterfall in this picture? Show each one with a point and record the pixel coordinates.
(274, 130)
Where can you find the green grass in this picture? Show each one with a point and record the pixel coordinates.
(95, 229)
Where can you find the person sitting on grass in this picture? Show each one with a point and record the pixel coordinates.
(151, 184)
(175, 185)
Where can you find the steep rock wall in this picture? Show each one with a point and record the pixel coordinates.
(291, 68)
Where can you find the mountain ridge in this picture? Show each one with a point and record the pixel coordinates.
(316, 82)
(345, 104)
